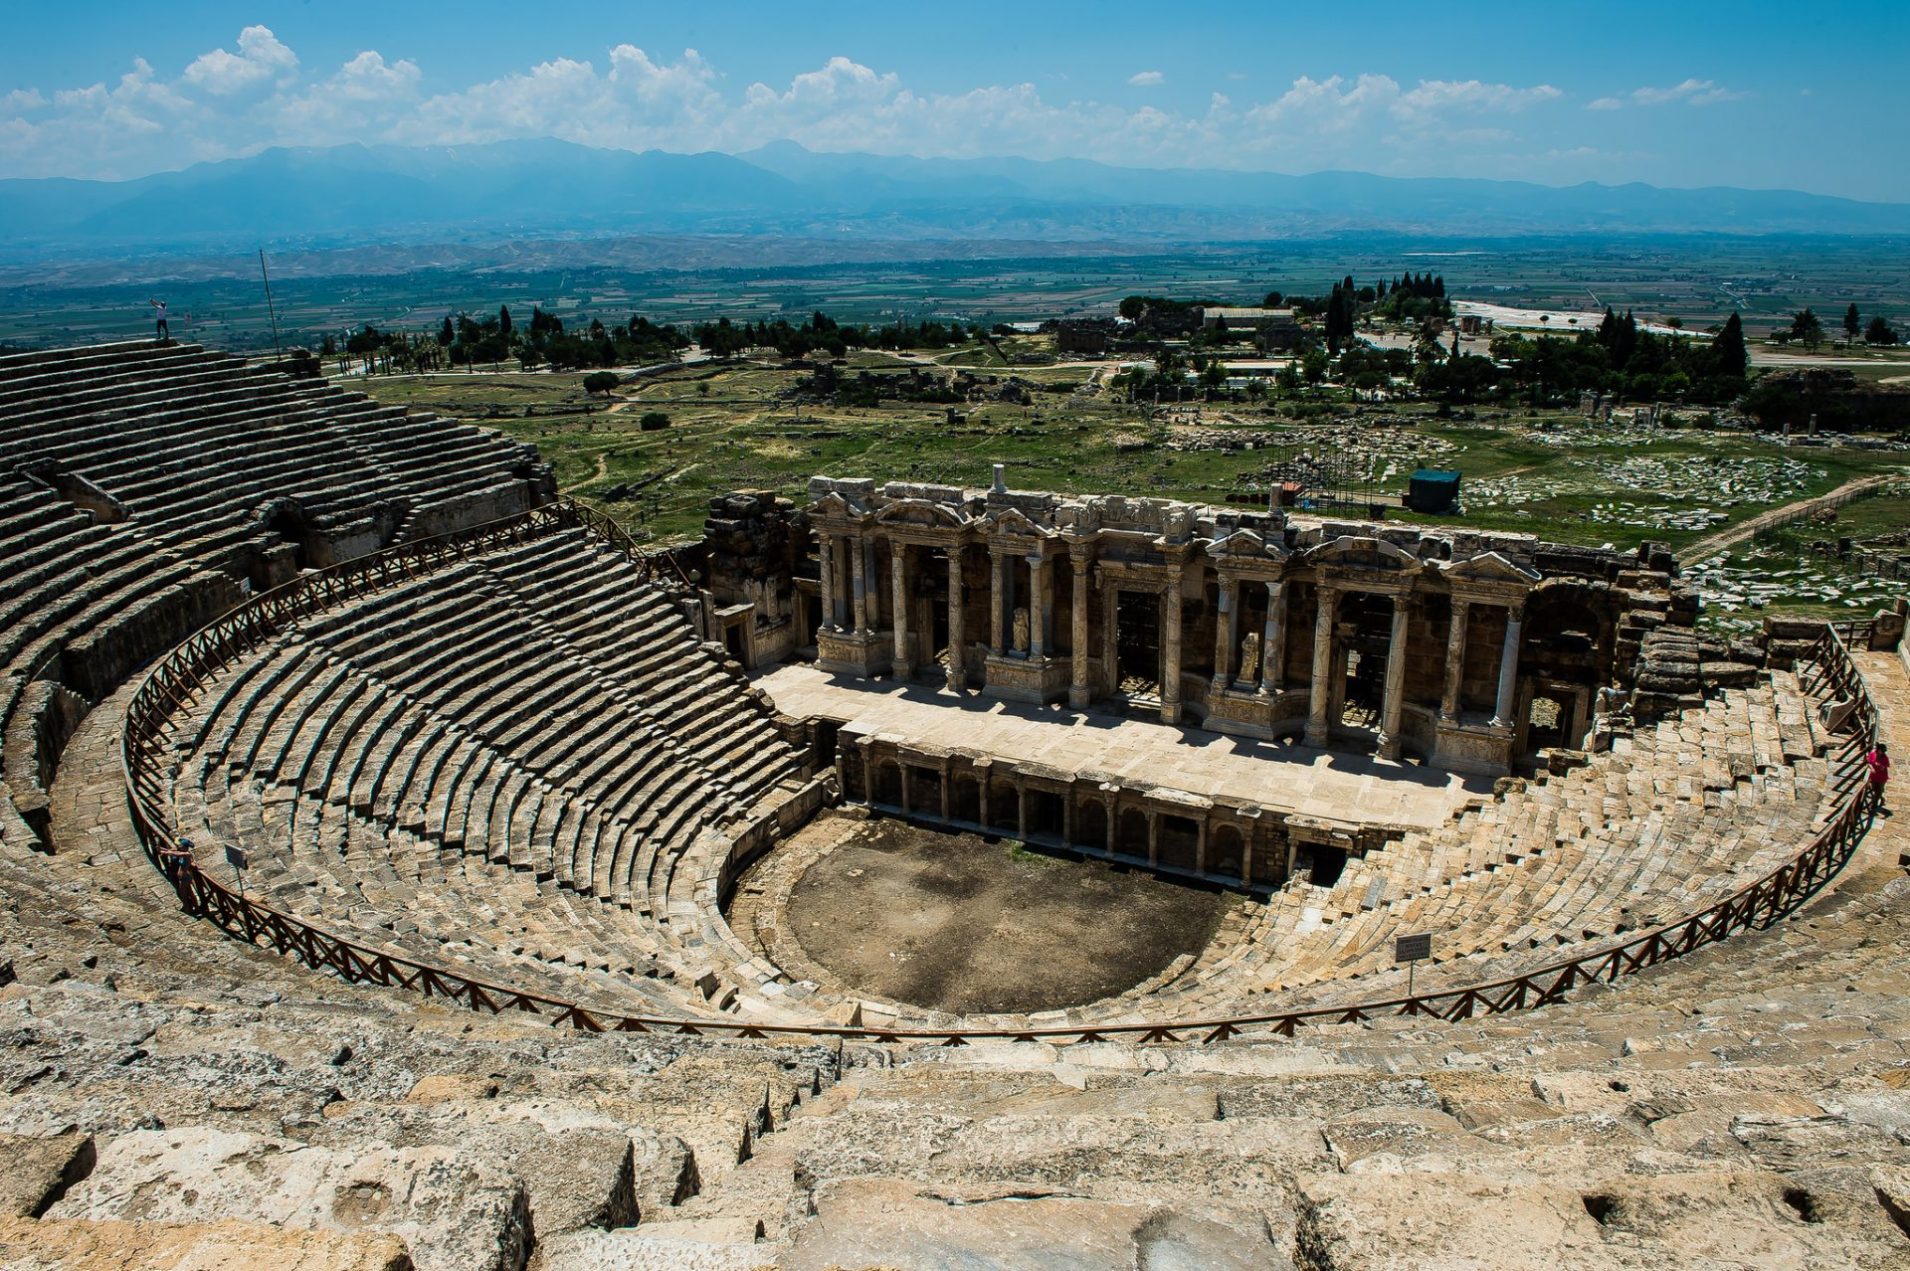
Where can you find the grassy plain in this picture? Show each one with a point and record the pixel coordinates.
(739, 427)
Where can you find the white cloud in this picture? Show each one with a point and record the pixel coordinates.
(1147, 79)
(1692, 92)
(225, 103)
(260, 61)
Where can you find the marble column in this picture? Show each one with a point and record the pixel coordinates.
(1393, 704)
(873, 593)
(826, 579)
(1455, 660)
(1039, 604)
(1273, 640)
(1170, 670)
(997, 646)
(858, 562)
(1226, 634)
(899, 604)
(1318, 727)
(1078, 691)
(957, 645)
(1508, 668)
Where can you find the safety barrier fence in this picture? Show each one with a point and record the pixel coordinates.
(171, 684)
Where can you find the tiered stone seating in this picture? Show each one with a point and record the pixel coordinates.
(194, 444)
(1669, 822)
(135, 487)
(461, 767)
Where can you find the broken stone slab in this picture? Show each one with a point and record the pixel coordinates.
(883, 1223)
(453, 1212)
(579, 1167)
(39, 1171)
(118, 1245)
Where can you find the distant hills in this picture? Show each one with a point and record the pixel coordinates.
(355, 195)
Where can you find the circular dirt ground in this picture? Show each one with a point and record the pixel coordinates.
(950, 922)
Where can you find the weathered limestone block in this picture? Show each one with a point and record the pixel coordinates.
(577, 1166)
(38, 1171)
(453, 1211)
(881, 1223)
(115, 1245)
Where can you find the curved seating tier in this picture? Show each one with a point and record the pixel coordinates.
(1669, 822)
(144, 487)
(514, 763)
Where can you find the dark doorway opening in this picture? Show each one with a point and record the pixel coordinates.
(1180, 843)
(1137, 644)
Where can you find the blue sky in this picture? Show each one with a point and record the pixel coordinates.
(1805, 96)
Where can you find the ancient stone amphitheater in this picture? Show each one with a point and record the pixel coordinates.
(398, 865)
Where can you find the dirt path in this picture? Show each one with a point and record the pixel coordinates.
(1714, 543)
(603, 470)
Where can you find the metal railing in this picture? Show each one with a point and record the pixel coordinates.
(171, 684)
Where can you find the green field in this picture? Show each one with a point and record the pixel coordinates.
(1555, 475)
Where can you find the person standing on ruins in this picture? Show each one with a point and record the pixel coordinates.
(1878, 761)
(159, 313)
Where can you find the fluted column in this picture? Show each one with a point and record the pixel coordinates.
(1508, 668)
(1455, 660)
(858, 562)
(899, 604)
(1226, 633)
(1273, 640)
(1170, 671)
(957, 645)
(1393, 704)
(1078, 691)
(826, 579)
(996, 644)
(1317, 727)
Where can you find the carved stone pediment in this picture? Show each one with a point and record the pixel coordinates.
(922, 513)
(1013, 523)
(1245, 545)
(1350, 551)
(834, 506)
(1490, 567)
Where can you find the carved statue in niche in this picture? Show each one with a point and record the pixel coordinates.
(1021, 630)
(1250, 657)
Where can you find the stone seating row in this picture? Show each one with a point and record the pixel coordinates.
(1670, 822)
(525, 726)
(197, 443)
(1656, 829)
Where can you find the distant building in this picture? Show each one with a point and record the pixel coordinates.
(1272, 328)
(1084, 337)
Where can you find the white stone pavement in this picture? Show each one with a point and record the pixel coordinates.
(1284, 776)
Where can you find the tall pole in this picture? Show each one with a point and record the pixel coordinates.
(269, 309)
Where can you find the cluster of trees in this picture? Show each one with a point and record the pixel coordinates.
(1132, 307)
(465, 340)
(1618, 359)
(1808, 329)
(822, 333)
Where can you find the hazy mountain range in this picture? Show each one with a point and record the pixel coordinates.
(354, 195)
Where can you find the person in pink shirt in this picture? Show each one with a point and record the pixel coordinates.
(1878, 761)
